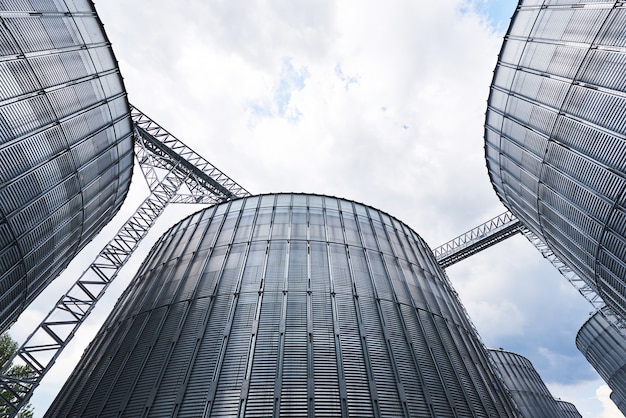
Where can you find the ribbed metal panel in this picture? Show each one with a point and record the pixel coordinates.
(290, 305)
(528, 390)
(605, 348)
(621, 405)
(568, 410)
(555, 134)
(65, 142)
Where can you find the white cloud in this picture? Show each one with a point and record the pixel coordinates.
(591, 398)
(497, 317)
(609, 410)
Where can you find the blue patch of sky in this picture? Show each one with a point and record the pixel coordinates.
(565, 364)
(347, 80)
(261, 110)
(291, 79)
(497, 12)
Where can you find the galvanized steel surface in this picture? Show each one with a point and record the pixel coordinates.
(568, 410)
(292, 305)
(65, 143)
(555, 135)
(155, 149)
(526, 387)
(605, 348)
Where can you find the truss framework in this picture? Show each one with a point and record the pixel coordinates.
(587, 291)
(504, 226)
(175, 174)
(477, 239)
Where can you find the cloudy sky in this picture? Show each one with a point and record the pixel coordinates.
(379, 102)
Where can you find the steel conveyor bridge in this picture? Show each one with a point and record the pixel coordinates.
(505, 226)
(477, 239)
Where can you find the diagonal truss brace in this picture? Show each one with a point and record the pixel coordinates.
(504, 226)
(157, 152)
(477, 239)
(585, 289)
(203, 176)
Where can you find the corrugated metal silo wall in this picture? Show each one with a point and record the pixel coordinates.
(604, 347)
(291, 305)
(527, 388)
(568, 410)
(621, 405)
(554, 135)
(65, 142)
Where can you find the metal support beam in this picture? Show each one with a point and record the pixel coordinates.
(584, 288)
(504, 226)
(204, 180)
(477, 239)
(168, 166)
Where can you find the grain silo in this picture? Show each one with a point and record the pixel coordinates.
(290, 305)
(65, 142)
